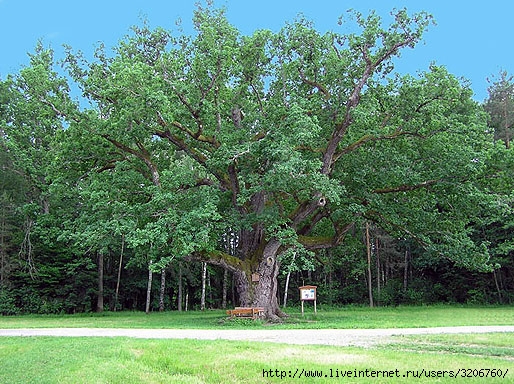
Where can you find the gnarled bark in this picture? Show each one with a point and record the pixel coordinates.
(267, 286)
(256, 278)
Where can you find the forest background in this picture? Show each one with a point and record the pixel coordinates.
(238, 168)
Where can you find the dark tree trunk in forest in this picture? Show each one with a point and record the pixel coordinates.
(498, 290)
(100, 297)
(149, 288)
(179, 299)
(368, 252)
(116, 295)
(26, 248)
(406, 271)
(3, 253)
(225, 289)
(162, 290)
(379, 269)
(204, 277)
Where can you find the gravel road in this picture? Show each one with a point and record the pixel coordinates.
(340, 337)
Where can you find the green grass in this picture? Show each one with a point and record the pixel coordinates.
(405, 317)
(326, 318)
(126, 361)
(493, 344)
(121, 360)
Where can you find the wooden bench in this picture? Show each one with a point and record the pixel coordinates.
(246, 312)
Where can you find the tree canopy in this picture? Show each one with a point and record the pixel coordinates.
(275, 142)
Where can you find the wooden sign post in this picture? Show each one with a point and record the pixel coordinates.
(308, 293)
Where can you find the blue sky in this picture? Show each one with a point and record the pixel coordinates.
(473, 39)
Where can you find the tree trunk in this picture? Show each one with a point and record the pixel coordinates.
(379, 269)
(3, 253)
(498, 290)
(330, 284)
(233, 290)
(119, 274)
(286, 288)
(406, 271)
(204, 277)
(179, 299)
(225, 289)
(26, 249)
(264, 291)
(149, 288)
(162, 290)
(255, 279)
(368, 251)
(100, 297)
(209, 288)
(242, 284)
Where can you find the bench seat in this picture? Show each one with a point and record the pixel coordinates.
(246, 312)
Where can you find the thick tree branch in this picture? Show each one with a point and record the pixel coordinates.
(181, 144)
(194, 135)
(316, 218)
(369, 138)
(342, 127)
(234, 183)
(314, 84)
(142, 154)
(196, 155)
(322, 242)
(371, 65)
(316, 242)
(195, 111)
(218, 258)
(306, 208)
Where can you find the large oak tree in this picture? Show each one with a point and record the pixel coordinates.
(281, 142)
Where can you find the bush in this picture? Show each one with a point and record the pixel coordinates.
(390, 294)
(28, 300)
(8, 303)
(477, 296)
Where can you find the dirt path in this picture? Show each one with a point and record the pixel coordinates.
(340, 337)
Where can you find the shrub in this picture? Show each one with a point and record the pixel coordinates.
(8, 303)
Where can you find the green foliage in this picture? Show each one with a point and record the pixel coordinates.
(295, 136)
(8, 305)
(500, 106)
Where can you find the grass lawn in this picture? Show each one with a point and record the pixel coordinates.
(326, 318)
(125, 361)
(121, 360)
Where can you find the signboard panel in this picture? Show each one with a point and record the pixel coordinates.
(308, 293)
